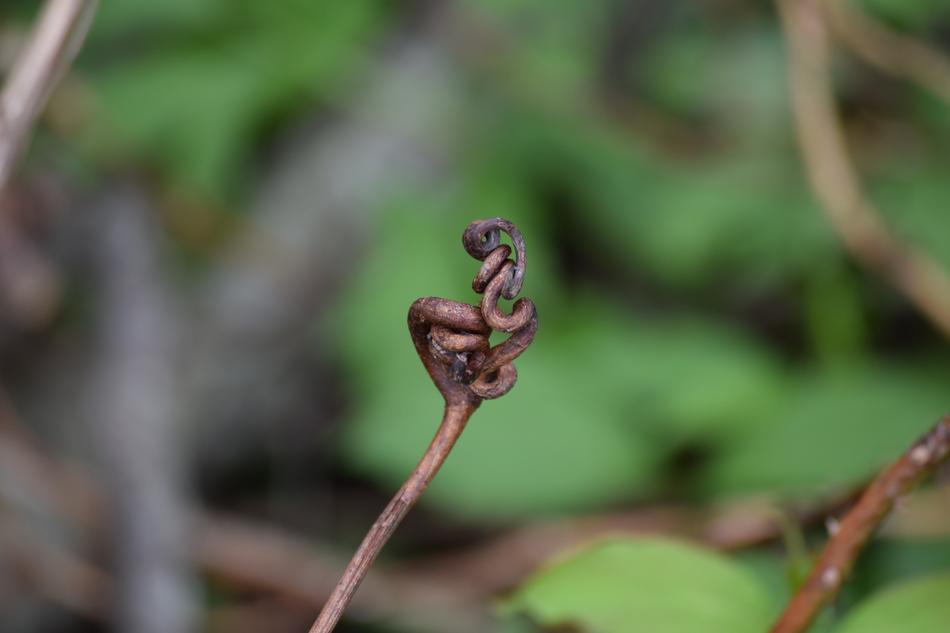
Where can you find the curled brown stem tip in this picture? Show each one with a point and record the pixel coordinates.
(852, 533)
(452, 340)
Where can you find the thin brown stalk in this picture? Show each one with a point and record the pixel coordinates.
(49, 50)
(832, 175)
(854, 531)
(453, 423)
(895, 53)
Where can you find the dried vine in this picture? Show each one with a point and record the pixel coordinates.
(452, 340)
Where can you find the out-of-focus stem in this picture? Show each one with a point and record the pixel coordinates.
(832, 175)
(50, 49)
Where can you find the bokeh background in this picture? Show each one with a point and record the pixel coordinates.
(207, 256)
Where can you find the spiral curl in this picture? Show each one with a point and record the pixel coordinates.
(452, 338)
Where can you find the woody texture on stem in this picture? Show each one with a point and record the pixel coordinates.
(851, 534)
(452, 340)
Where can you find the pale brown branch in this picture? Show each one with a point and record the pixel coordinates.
(853, 532)
(895, 53)
(832, 175)
(49, 50)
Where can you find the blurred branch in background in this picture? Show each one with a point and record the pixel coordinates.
(49, 50)
(894, 53)
(35, 541)
(270, 562)
(832, 173)
(135, 418)
(849, 537)
(30, 284)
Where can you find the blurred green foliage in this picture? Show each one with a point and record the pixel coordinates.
(913, 14)
(202, 80)
(627, 372)
(702, 332)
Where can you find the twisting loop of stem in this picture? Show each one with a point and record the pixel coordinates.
(452, 340)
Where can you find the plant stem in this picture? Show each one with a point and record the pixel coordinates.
(54, 42)
(453, 423)
(854, 531)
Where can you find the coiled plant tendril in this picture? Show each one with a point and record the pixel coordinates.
(452, 340)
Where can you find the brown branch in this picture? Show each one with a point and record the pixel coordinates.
(453, 423)
(50, 49)
(502, 562)
(452, 340)
(269, 561)
(832, 174)
(894, 53)
(274, 563)
(853, 532)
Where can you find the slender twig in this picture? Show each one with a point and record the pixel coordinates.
(852, 533)
(452, 340)
(893, 52)
(449, 431)
(50, 49)
(833, 177)
(134, 417)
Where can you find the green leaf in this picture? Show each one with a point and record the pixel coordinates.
(837, 428)
(194, 100)
(912, 197)
(118, 17)
(192, 113)
(686, 379)
(918, 606)
(887, 560)
(646, 585)
(555, 53)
